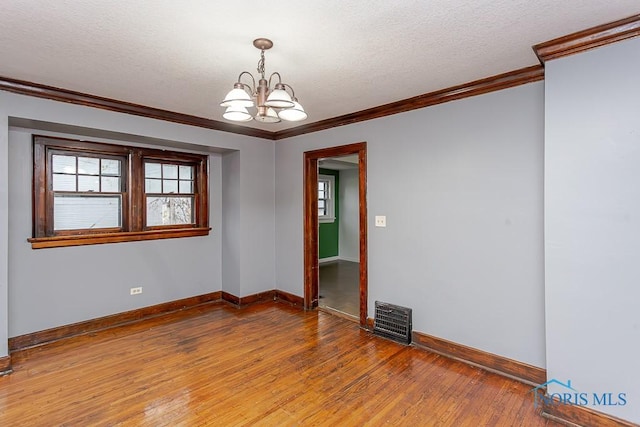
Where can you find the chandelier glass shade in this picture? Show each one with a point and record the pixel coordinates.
(237, 114)
(293, 114)
(238, 97)
(272, 105)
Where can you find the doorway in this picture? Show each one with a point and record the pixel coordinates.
(311, 213)
(338, 235)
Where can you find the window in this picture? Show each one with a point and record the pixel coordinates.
(169, 193)
(326, 202)
(89, 193)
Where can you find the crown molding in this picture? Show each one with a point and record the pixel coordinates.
(588, 39)
(73, 97)
(477, 87)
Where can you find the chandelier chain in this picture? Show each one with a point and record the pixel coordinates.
(261, 63)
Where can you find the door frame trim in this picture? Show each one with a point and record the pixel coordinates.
(310, 210)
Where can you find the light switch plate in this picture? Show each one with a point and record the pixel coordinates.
(381, 221)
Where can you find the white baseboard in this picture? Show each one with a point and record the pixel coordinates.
(349, 259)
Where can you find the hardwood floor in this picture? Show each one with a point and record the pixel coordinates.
(340, 286)
(267, 364)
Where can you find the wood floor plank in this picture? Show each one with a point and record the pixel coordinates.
(266, 364)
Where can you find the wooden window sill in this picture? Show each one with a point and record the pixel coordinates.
(129, 236)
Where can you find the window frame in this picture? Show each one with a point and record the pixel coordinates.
(133, 208)
(198, 203)
(107, 152)
(329, 200)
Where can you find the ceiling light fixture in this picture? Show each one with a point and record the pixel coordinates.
(273, 105)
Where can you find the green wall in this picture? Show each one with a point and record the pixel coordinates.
(328, 233)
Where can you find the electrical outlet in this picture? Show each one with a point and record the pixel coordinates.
(381, 221)
(136, 291)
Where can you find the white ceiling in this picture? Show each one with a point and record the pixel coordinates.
(341, 56)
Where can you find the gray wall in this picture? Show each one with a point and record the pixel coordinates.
(349, 226)
(592, 220)
(231, 233)
(461, 186)
(51, 287)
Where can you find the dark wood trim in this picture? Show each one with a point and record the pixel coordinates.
(369, 324)
(311, 292)
(311, 222)
(137, 218)
(364, 257)
(271, 295)
(259, 297)
(64, 95)
(81, 328)
(477, 87)
(39, 190)
(340, 150)
(5, 365)
(492, 362)
(581, 416)
(588, 39)
(289, 298)
(129, 236)
(141, 314)
(230, 298)
(249, 299)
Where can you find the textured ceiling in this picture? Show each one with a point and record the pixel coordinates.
(341, 56)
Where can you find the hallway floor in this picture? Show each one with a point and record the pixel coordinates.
(340, 286)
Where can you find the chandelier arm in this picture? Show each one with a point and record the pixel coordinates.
(253, 82)
(275, 73)
(293, 92)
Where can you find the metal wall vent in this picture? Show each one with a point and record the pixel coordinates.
(393, 322)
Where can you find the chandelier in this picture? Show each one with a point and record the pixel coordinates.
(272, 105)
